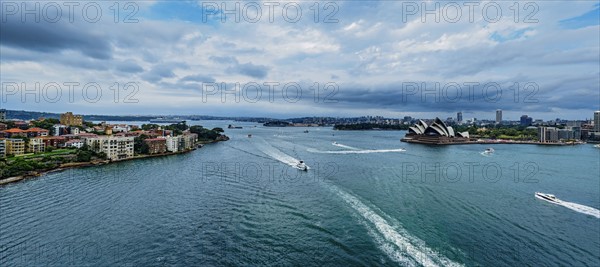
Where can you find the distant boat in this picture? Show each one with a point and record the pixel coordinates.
(547, 197)
(165, 120)
(302, 166)
(234, 127)
(305, 131)
(249, 136)
(489, 151)
(597, 146)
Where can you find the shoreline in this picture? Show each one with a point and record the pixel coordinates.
(74, 165)
(490, 142)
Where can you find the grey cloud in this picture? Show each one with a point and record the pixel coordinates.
(129, 67)
(53, 37)
(224, 59)
(251, 70)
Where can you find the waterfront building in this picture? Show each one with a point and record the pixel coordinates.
(3, 126)
(77, 143)
(54, 141)
(498, 116)
(36, 145)
(156, 145)
(597, 121)
(15, 146)
(547, 134)
(69, 119)
(564, 134)
(59, 129)
(36, 132)
(2, 148)
(436, 133)
(576, 130)
(172, 143)
(14, 132)
(115, 148)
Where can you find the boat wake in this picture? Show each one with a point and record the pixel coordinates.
(366, 151)
(344, 146)
(395, 241)
(276, 154)
(580, 208)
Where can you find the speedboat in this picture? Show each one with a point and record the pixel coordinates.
(249, 136)
(597, 146)
(302, 166)
(548, 197)
(335, 143)
(488, 151)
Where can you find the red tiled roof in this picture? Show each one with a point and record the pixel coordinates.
(14, 130)
(36, 129)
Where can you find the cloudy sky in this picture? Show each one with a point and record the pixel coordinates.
(286, 59)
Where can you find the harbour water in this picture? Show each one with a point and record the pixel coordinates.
(368, 199)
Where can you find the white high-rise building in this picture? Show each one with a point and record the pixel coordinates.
(498, 116)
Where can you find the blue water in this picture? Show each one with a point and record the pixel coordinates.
(363, 202)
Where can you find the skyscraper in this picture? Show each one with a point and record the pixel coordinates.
(459, 117)
(498, 116)
(597, 121)
(526, 120)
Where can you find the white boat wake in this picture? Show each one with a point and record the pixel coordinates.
(395, 241)
(276, 154)
(366, 151)
(580, 208)
(344, 146)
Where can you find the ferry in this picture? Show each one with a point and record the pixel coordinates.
(547, 197)
(489, 151)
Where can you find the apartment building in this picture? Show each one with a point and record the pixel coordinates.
(36, 145)
(15, 146)
(172, 143)
(115, 148)
(156, 145)
(69, 119)
(2, 148)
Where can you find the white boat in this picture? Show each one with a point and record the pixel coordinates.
(334, 143)
(489, 151)
(547, 197)
(302, 166)
(597, 146)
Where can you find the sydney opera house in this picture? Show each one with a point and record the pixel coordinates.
(437, 133)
